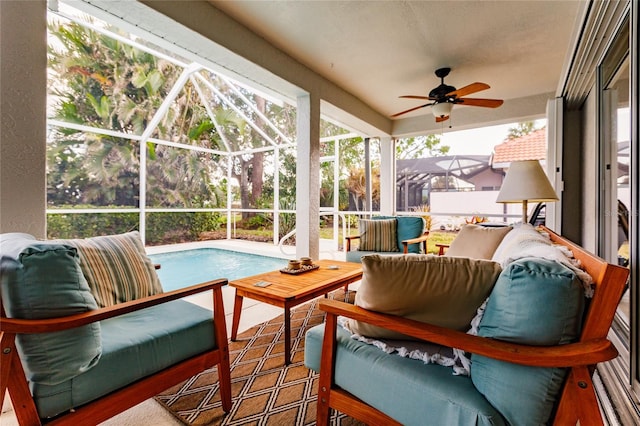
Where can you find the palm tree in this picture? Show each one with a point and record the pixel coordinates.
(101, 82)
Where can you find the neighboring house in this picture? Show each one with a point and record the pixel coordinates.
(532, 146)
(417, 178)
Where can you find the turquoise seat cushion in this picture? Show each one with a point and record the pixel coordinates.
(535, 302)
(411, 392)
(134, 346)
(408, 227)
(43, 280)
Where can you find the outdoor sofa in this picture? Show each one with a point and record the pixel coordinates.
(419, 347)
(87, 331)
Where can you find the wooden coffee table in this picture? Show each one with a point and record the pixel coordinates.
(287, 291)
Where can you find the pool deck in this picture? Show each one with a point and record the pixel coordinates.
(253, 312)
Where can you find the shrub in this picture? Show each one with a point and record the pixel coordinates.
(162, 228)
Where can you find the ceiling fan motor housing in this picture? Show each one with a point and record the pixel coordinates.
(440, 92)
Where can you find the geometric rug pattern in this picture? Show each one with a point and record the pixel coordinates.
(264, 391)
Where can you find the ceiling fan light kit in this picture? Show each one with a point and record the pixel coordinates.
(444, 97)
(442, 110)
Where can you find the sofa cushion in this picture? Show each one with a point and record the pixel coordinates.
(356, 255)
(535, 302)
(378, 235)
(406, 389)
(408, 227)
(477, 242)
(445, 291)
(135, 345)
(42, 280)
(516, 244)
(117, 268)
(526, 241)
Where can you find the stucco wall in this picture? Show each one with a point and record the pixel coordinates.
(23, 79)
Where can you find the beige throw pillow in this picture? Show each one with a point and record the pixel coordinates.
(116, 268)
(440, 290)
(477, 242)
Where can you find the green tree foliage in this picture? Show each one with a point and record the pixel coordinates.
(420, 147)
(521, 129)
(101, 82)
(98, 81)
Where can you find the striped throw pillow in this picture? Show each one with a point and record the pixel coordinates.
(378, 235)
(117, 268)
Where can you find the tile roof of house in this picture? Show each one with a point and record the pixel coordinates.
(532, 146)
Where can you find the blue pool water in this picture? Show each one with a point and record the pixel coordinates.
(184, 268)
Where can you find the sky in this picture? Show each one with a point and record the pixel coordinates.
(482, 140)
(478, 141)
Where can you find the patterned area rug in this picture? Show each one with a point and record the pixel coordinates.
(264, 391)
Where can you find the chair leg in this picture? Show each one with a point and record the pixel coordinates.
(578, 402)
(224, 369)
(322, 414)
(325, 380)
(12, 377)
(224, 377)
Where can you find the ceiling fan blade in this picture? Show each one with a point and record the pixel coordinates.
(416, 97)
(410, 109)
(441, 119)
(469, 89)
(488, 103)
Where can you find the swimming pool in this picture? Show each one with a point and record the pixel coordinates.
(184, 268)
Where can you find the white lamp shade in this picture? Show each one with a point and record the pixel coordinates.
(442, 109)
(526, 181)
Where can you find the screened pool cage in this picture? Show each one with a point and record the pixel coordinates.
(140, 134)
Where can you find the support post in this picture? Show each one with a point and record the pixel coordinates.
(387, 177)
(308, 178)
(23, 104)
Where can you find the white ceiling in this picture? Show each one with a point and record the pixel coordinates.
(379, 50)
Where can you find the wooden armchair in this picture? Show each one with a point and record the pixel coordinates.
(410, 237)
(67, 359)
(422, 240)
(577, 401)
(13, 376)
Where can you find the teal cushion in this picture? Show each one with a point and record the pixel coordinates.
(534, 302)
(408, 227)
(135, 345)
(408, 390)
(41, 280)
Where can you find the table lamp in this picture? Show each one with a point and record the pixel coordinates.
(526, 181)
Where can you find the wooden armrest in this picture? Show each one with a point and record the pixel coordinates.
(573, 354)
(421, 239)
(441, 248)
(15, 325)
(348, 241)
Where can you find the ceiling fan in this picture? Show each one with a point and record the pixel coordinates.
(444, 97)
